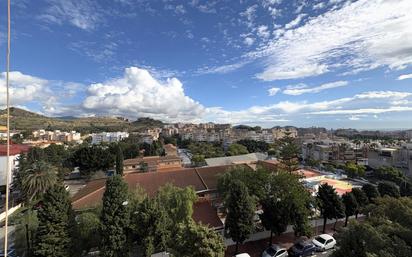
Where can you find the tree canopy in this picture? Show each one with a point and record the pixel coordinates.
(240, 208)
(385, 233)
(52, 235)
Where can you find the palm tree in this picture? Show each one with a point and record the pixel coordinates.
(39, 177)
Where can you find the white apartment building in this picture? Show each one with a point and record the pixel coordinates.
(108, 137)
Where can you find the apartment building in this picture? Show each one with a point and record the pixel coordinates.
(108, 137)
(56, 135)
(399, 157)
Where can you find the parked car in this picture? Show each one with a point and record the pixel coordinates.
(242, 255)
(302, 249)
(324, 242)
(275, 251)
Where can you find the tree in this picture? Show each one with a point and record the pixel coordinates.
(289, 153)
(240, 212)
(237, 149)
(255, 181)
(371, 192)
(37, 179)
(353, 170)
(254, 146)
(385, 232)
(26, 226)
(88, 232)
(150, 226)
(351, 206)
(53, 232)
(114, 218)
(177, 202)
(390, 174)
(388, 188)
(275, 215)
(197, 240)
(198, 160)
(329, 203)
(90, 159)
(361, 200)
(285, 192)
(119, 161)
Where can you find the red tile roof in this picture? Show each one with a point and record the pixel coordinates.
(201, 179)
(203, 212)
(14, 149)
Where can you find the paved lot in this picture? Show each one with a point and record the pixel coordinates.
(255, 248)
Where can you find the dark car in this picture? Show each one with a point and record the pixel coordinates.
(301, 249)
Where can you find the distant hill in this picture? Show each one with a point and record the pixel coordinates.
(147, 123)
(25, 120)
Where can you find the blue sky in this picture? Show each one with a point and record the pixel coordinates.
(331, 63)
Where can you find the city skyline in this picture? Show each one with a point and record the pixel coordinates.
(332, 64)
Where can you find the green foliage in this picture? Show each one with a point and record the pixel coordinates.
(312, 162)
(114, 218)
(370, 191)
(26, 226)
(351, 205)
(197, 240)
(387, 231)
(255, 181)
(240, 212)
(289, 153)
(390, 174)
(198, 160)
(88, 231)
(353, 170)
(329, 203)
(287, 193)
(56, 154)
(90, 159)
(119, 161)
(150, 226)
(53, 232)
(36, 180)
(207, 150)
(154, 219)
(388, 188)
(361, 200)
(237, 149)
(254, 146)
(178, 202)
(275, 215)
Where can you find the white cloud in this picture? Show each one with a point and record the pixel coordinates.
(295, 22)
(303, 90)
(248, 41)
(23, 88)
(273, 91)
(250, 14)
(263, 32)
(405, 76)
(138, 94)
(361, 35)
(221, 69)
(367, 110)
(83, 14)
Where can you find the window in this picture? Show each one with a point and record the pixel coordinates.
(280, 252)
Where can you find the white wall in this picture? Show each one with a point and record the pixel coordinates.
(3, 167)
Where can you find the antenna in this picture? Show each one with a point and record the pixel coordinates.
(8, 131)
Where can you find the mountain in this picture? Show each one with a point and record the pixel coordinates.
(25, 120)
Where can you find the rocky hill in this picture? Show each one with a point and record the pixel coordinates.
(25, 120)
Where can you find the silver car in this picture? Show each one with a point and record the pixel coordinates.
(275, 251)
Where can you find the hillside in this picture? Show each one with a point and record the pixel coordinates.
(26, 120)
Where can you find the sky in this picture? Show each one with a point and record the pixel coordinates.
(330, 63)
